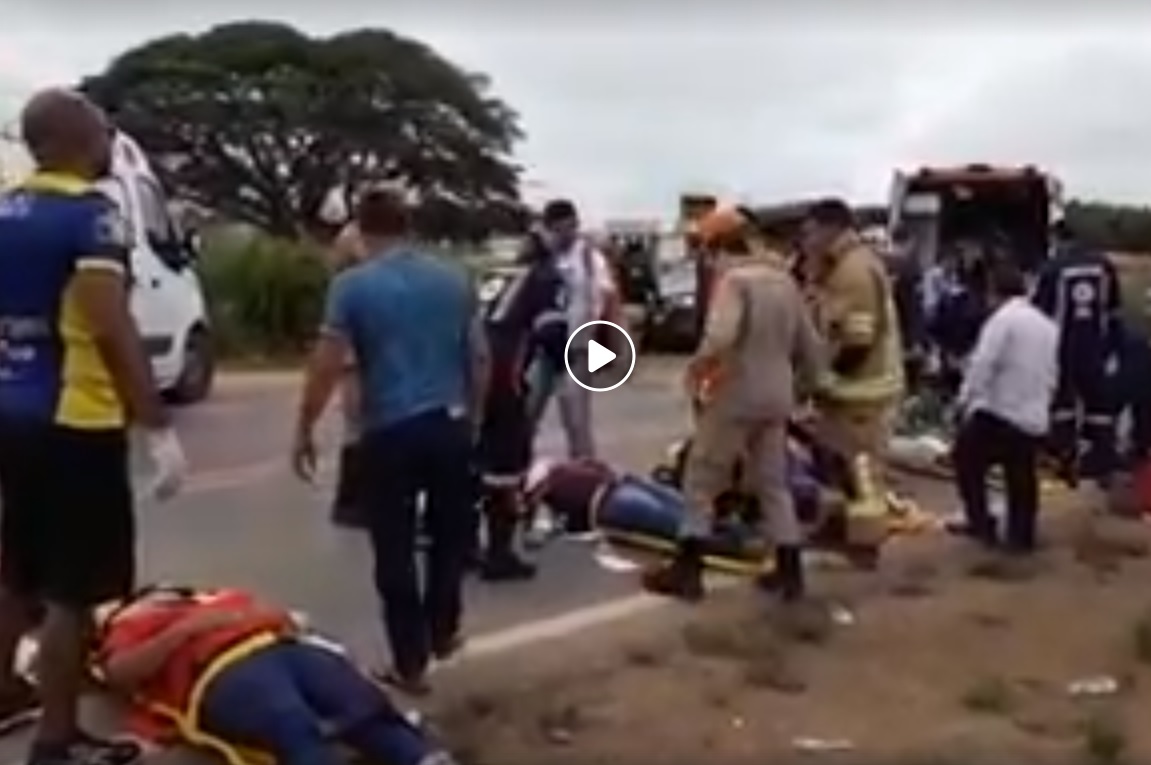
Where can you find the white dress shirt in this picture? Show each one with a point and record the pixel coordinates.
(1013, 371)
(588, 282)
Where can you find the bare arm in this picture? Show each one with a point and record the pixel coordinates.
(324, 373)
(605, 283)
(329, 358)
(99, 288)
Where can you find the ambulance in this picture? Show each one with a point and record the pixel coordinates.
(933, 208)
(167, 297)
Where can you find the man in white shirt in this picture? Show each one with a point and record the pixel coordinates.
(1004, 409)
(589, 295)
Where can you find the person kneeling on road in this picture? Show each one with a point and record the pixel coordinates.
(226, 671)
(758, 340)
(525, 320)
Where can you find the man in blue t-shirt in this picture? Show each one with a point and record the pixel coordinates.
(409, 319)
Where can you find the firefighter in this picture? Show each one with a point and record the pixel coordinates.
(758, 346)
(1079, 289)
(855, 310)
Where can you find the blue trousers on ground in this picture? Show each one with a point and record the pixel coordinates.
(279, 700)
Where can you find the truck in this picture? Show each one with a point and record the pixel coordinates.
(167, 298)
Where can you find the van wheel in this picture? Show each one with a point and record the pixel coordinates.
(199, 372)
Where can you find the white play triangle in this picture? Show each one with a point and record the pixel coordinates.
(598, 356)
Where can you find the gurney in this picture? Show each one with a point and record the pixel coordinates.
(922, 444)
(842, 513)
(159, 726)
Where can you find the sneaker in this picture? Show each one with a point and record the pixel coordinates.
(506, 568)
(87, 749)
(19, 706)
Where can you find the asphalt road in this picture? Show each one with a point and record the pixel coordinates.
(245, 521)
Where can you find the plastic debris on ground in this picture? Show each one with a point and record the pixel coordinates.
(811, 744)
(841, 615)
(1100, 685)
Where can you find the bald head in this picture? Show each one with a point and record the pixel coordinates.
(66, 132)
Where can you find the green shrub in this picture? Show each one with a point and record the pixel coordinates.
(265, 295)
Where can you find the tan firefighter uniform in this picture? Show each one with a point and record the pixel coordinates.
(855, 308)
(759, 341)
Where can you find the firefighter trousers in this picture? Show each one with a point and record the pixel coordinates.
(719, 443)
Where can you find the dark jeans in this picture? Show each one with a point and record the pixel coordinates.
(984, 441)
(280, 699)
(429, 454)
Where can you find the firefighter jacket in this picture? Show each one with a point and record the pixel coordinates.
(855, 311)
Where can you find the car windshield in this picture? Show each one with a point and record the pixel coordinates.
(677, 278)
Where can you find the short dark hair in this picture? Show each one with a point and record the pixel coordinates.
(383, 212)
(559, 210)
(1007, 279)
(832, 212)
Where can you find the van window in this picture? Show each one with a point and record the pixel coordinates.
(157, 224)
(163, 236)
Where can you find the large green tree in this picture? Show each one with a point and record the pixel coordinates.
(261, 123)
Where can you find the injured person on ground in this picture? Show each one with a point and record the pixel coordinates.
(644, 513)
(224, 671)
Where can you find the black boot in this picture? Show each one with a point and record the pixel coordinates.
(682, 577)
(500, 562)
(787, 579)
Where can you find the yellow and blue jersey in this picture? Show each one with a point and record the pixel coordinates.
(52, 227)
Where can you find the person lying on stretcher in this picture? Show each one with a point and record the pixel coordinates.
(223, 670)
(585, 495)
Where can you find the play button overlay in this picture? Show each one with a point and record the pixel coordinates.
(600, 356)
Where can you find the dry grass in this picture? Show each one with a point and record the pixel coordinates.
(937, 667)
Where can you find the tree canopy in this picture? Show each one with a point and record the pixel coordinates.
(262, 123)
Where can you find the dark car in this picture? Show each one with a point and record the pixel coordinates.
(671, 314)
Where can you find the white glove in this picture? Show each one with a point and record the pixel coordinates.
(168, 462)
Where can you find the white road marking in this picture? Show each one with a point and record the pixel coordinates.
(564, 625)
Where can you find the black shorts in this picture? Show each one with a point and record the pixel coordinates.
(67, 523)
(505, 447)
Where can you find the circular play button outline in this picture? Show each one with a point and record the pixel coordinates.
(567, 356)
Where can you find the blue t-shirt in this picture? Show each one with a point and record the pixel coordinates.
(52, 227)
(407, 316)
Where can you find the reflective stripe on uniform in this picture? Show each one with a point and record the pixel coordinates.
(1103, 420)
(1063, 415)
(858, 328)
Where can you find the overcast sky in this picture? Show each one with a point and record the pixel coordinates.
(624, 109)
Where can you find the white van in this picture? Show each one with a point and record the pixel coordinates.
(167, 299)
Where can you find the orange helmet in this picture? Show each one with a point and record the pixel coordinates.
(720, 224)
